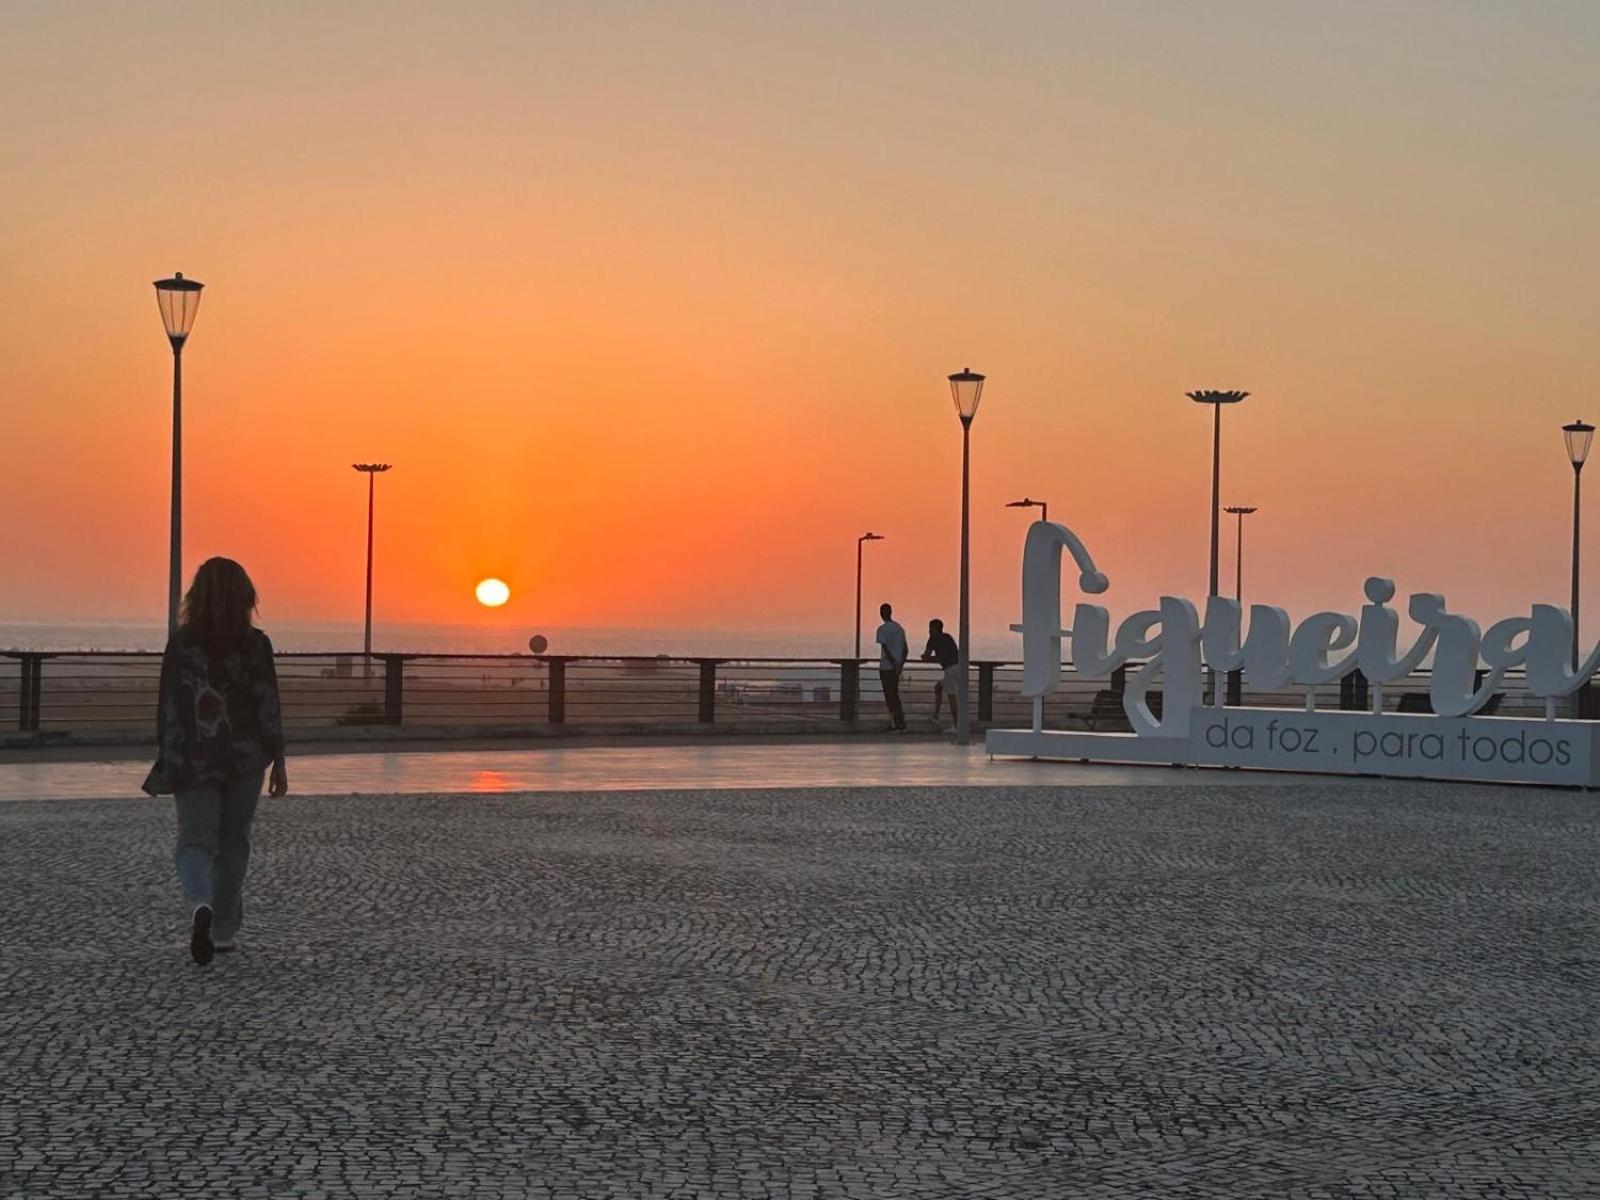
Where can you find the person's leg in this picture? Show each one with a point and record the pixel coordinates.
(952, 686)
(938, 699)
(239, 799)
(199, 812)
(891, 697)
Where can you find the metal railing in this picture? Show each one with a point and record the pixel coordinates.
(111, 696)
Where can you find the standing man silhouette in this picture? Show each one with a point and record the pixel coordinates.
(892, 654)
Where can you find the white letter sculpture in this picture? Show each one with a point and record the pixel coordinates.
(1466, 667)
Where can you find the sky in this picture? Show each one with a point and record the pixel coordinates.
(651, 305)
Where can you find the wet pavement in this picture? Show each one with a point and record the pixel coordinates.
(795, 763)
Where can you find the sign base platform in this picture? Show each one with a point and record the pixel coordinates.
(1561, 753)
(1089, 747)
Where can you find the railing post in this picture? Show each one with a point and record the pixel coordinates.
(558, 690)
(1235, 693)
(394, 667)
(36, 693)
(29, 701)
(849, 689)
(1353, 693)
(1119, 681)
(708, 690)
(985, 691)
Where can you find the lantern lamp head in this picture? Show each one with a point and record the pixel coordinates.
(1578, 435)
(179, 299)
(966, 389)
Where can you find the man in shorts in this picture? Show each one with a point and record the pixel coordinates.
(942, 649)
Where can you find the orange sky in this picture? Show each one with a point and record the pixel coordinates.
(651, 306)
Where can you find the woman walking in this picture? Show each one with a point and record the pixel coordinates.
(219, 727)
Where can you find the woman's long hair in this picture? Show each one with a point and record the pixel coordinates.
(217, 611)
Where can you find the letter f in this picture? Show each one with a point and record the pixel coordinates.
(1041, 601)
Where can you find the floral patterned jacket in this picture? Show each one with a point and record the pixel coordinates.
(217, 718)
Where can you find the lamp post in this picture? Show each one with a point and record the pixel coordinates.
(1578, 435)
(865, 537)
(966, 389)
(1042, 505)
(179, 300)
(1216, 399)
(371, 471)
(1241, 511)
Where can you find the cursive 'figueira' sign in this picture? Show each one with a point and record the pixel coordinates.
(1173, 644)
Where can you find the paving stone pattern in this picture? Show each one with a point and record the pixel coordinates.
(1387, 990)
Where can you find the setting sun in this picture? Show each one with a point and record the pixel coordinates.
(492, 593)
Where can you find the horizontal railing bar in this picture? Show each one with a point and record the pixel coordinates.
(358, 658)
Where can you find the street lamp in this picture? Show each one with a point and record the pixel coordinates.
(865, 537)
(1042, 505)
(1241, 511)
(179, 300)
(966, 389)
(1216, 399)
(1578, 436)
(371, 471)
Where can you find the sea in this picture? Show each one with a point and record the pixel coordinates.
(396, 638)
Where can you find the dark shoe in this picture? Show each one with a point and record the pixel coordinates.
(200, 947)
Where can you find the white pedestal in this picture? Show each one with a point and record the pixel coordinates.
(1416, 746)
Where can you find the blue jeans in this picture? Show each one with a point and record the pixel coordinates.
(213, 851)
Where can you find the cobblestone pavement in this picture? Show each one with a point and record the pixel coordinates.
(1381, 990)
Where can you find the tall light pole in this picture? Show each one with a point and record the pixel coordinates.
(179, 300)
(1042, 505)
(966, 389)
(1578, 435)
(1216, 399)
(1241, 511)
(865, 537)
(371, 471)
